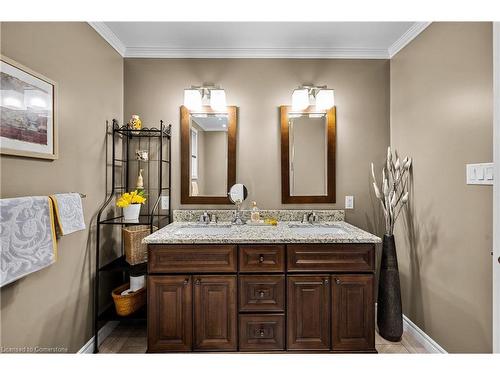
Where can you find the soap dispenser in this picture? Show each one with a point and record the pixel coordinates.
(255, 215)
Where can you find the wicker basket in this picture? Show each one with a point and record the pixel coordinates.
(135, 251)
(130, 303)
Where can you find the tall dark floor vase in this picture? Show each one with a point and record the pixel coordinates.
(389, 310)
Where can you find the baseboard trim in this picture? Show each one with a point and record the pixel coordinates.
(104, 332)
(423, 338)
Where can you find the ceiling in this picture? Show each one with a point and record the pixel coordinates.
(211, 123)
(369, 40)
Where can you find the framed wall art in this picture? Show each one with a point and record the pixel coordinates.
(28, 124)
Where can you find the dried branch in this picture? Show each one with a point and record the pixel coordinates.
(393, 191)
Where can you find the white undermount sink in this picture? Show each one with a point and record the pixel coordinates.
(317, 229)
(203, 229)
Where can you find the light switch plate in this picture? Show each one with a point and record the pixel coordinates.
(480, 174)
(349, 202)
(164, 202)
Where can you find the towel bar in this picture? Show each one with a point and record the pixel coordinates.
(81, 195)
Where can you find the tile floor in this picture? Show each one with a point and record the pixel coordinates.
(132, 339)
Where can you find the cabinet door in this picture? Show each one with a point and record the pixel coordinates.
(215, 313)
(353, 320)
(169, 313)
(308, 312)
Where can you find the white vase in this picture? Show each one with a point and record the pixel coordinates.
(131, 212)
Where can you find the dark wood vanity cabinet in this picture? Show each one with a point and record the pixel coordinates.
(308, 312)
(297, 297)
(170, 320)
(215, 314)
(353, 323)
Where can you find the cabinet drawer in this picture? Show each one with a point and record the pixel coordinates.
(191, 258)
(262, 332)
(262, 258)
(331, 257)
(262, 293)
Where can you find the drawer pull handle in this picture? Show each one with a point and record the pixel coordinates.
(325, 282)
(261, 293)
(186, 282)
(338, 282)
(261, 258)
(197, 282)
(260, 332)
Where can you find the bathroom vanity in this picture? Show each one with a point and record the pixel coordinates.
(292, 287)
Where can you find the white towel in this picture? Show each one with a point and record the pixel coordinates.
(69, 213)
(194, 188)
(28, 237)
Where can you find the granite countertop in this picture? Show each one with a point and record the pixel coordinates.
(223, 232)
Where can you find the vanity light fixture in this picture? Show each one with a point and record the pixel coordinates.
(306, 95)
(325, 99)
(193, 98)
(218, 100)
(300, 99)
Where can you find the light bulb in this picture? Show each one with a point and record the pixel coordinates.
(300, 99)
(192, 99)
(325, 99)
(218, 100)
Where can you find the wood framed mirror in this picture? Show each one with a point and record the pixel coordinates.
(307, 155)
(208, 155)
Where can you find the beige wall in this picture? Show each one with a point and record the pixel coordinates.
(441, 115)
(154, 90)
(53, 307)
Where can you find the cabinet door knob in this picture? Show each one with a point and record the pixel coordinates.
(197, 282)
(338, 282)
(261, 258)
(186, 282)
(325, 282)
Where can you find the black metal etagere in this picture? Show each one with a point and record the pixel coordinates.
(158, 144)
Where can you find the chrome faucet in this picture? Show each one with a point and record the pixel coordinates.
(205, 218)
(310, 218)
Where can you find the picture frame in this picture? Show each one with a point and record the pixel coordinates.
(28, 109)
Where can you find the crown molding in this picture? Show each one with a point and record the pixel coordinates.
(257, 53)
(407, 37)
(109, 36)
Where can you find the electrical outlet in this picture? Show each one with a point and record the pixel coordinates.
(164, 202)
(349, 202)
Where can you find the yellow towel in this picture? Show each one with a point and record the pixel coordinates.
(68, 213)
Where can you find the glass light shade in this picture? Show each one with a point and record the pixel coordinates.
(300, 99)
(218, 100)
(192, 99)
(325, 99)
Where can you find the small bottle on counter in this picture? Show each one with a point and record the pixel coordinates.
(255, 215)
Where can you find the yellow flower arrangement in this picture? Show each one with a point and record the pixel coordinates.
(134, 197)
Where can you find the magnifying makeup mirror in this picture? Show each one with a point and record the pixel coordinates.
(237, 194)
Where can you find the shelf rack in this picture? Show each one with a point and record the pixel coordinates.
(129, 139)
